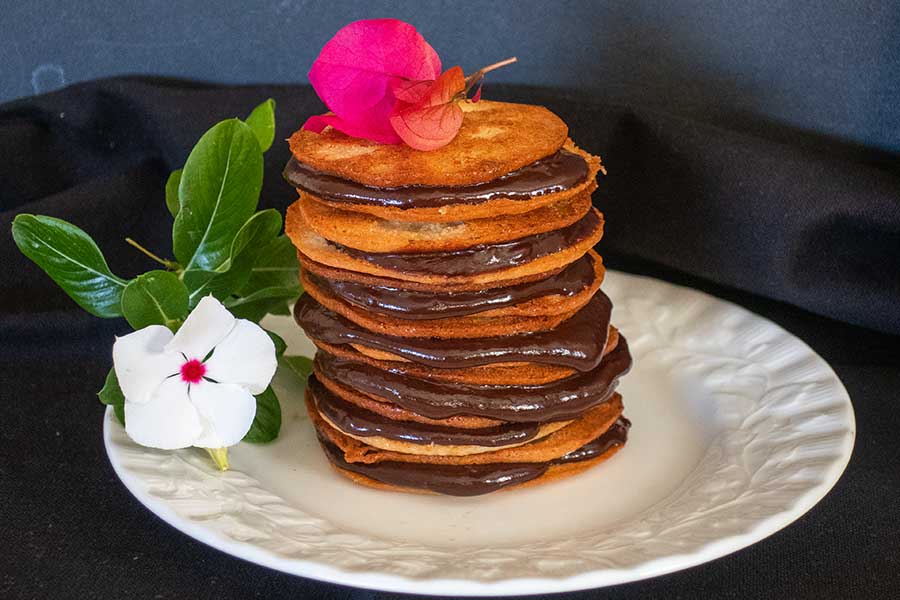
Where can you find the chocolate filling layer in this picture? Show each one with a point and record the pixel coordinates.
(577, 343)
(412, 305)
(555, 401)
(472, 480)
(555, 173)
(482, 258)
(357, 421)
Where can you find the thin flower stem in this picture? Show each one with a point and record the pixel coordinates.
(169, 264)
(478, 75)
(499, 64)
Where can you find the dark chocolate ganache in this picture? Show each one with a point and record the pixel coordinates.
(472, 480)
(482, 258)
(555, 401)
(415, 305)
(357, 421)
(577, 343)
(555, 173)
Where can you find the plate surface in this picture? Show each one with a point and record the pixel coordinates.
(739, 429)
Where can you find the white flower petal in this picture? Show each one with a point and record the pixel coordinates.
(245, 357)
(227, 412)
(206, 326)
(168, 421)
(141, 363)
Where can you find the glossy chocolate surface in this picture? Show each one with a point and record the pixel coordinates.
(413, 305)
(555, 173)
(357, 421)
(472, 480)
(577, 343)
(482, 258)
(559, 400)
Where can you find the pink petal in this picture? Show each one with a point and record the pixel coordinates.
(319, 122)
(435, 120)
(412, 92)
(430, 127)
(355, 73)
(316, 123)
(446, 87)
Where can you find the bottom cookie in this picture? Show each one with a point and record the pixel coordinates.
(476, 479)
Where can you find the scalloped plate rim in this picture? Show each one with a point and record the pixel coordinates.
(671, 563)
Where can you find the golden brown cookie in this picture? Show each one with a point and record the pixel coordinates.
(372, 234)
(507, 321)
(568, 439)
(495, 138)
(477, 325)
(383, 443)
(495, 374)
(398, 413)
(321, 251)
(553, 473)
(482, 210)
(308, 264)
(386, 433)
(512, 373)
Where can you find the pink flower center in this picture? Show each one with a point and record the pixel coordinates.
(193, 371)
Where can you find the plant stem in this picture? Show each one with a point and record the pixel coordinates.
(219, 456)
(169, 264)
(497, 65)
(478, 75)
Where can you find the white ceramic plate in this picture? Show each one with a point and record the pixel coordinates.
(739, 429)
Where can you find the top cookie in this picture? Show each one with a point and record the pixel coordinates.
(495, 139)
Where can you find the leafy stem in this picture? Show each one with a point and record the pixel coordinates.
(171, 265)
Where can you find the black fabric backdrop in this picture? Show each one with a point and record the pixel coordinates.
(801, 229)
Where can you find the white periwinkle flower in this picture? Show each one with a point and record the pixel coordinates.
(194, 387)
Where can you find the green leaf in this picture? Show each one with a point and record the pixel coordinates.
(258, 231)
(262, 122)
(274, 281)
(233, 274)
(72, 259)
(155, 298)
(276, 266)
(111, 395)
(280, 344)
(258, 304)
(281, 309)
(172, 183)
(299, 365)
(267, 422)
(218, 192)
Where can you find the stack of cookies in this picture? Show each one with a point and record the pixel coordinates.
(464, 345)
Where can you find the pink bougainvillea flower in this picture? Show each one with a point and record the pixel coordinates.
(383, 82)
(434, 119)
(358, 70)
